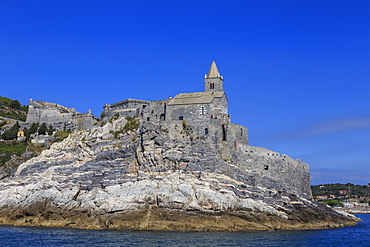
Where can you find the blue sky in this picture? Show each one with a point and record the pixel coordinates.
(296, 72)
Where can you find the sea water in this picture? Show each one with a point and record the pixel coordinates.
(31, 236)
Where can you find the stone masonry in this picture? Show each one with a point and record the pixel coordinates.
(205, 115)
(59, 116)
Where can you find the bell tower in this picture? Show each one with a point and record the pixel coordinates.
(213, 81)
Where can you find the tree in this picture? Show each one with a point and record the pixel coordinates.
(32, 130)
(42, 129)
(15, 104)
(11, 133)
(50, 130)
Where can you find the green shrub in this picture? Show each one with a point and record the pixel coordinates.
(6, 151)
(333, 203)
(3, 123)
(43, 129)
(36, 148)
(61, 135)
(11, 134)
(131, 125)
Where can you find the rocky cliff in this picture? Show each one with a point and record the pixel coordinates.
(152, 177)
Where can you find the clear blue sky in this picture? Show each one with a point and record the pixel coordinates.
(296, 72)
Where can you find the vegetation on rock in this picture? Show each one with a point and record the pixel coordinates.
(61, 135)
(13, 109)
(11, 133)
(333, 203)
(8, 149)
(132, 124)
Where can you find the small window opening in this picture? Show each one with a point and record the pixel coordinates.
(211, 85)
(144, 106)
(266, 167)
(181, 117)
(211, 116)
(206, 131)
(224, 132)
(162, 117)
(202, 110)
(148, 119)
(234, 145)
(241, 132)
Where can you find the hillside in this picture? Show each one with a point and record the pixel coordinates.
(12, 109)
(341, 191)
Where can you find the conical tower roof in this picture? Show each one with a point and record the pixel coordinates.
(213, 71)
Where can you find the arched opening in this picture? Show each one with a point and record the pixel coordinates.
(162, 117)
(148, 119)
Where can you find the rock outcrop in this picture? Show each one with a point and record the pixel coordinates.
(113, 177)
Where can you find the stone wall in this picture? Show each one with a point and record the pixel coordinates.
(270, 164)
(58, 116)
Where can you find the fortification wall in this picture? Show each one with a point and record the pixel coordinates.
(58, 116)
(267, 163)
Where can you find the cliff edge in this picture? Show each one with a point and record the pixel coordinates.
(132, 174)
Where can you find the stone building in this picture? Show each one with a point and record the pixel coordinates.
(59, 116)
(206, 112)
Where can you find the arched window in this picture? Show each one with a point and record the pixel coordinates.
(211, 85)
(206, 131)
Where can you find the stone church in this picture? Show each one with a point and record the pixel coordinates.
(206, 112)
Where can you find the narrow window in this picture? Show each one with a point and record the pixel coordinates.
(211, 116)
(206, 131)
(148, 119)
(181, 117)
(223, 132)
(234, 145)
(202, 110)
(241, 132)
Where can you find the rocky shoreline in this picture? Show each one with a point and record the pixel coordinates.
(151, 179)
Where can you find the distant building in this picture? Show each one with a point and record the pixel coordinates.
(59, 116)
(20, 135)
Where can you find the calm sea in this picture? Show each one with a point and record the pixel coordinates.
(28, 236)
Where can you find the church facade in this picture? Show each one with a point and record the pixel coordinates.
(205, 112)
